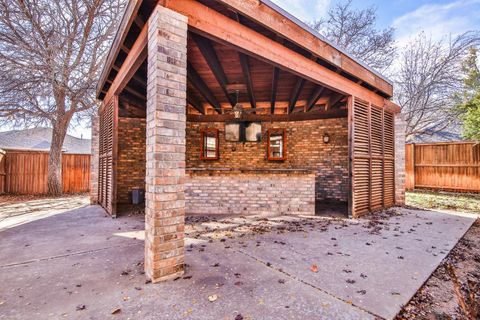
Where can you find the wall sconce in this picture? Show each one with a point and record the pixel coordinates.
(326, 138)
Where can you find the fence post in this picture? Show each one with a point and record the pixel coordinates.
(3, 174)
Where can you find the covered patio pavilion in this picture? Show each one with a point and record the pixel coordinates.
(236, 107)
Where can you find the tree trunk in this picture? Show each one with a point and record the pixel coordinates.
(54, 175)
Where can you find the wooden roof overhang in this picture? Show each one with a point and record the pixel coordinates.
(276, 61)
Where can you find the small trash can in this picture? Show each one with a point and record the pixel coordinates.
(138, 196)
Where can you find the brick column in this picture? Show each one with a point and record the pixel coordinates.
(94, 160)
(166, 122)
(400, 127)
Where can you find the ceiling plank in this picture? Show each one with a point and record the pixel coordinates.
(316, 94)
(248, 78)
(276, 76)
(297, 89)
(199, 84)
(209, 54)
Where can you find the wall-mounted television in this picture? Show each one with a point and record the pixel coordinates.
(243, 131)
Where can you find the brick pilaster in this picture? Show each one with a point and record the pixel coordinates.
(94, 160)
(166, 123)
(400, 128)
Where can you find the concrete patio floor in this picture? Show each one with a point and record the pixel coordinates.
(256, 268)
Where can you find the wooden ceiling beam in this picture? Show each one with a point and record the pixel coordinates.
(314, 97)
(334, 99)
(128, 17)
(297, 89)
(273, 99)
(199, 84)
(135, 93)
(210, 56)
(247, 75)
(135, 58)
(301, 116)
(217, 27)
(194, 102)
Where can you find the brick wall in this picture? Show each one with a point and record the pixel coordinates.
(305, 149)
(131, 157)
(400, 127)
(94, 161)
(246, 193)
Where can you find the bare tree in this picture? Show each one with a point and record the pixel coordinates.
(354, 31)
(50, 56)
(428, 80)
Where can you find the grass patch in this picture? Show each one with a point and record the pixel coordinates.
(467, 202)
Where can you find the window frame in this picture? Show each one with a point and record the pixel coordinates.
(283, 132)
(203, 134)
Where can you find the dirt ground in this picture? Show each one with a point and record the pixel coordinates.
(437, 299)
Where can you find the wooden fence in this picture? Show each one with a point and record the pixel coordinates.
(453, 166)
(25, 172)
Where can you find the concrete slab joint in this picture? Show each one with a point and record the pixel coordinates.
(166, 124)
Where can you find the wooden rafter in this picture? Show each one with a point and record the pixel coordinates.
(210, 56)
(275, 77)
(135, 58)
(194, 102)
(297, 89)
(199, 84)
(316, 94)
(334, 100)
(248, 78)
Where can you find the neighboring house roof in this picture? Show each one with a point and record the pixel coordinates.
(452, 133)
(39, 139)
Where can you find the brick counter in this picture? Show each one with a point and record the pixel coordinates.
(250, 192)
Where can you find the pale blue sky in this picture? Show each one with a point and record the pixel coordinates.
(440, 18)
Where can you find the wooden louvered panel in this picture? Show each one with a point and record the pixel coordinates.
(107, 150)
(389, 134)
(361, 169)
(372, 152)
(376, 186)
(376, 131)
(389, 176)
(361, 134)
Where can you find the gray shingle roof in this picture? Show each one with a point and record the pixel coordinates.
(38, 139)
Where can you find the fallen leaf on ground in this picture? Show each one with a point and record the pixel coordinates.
(212, 298)
(314, 268)
(80, 307)
(116, 311)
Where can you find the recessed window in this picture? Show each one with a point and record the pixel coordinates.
(276, 147)
(209, 145)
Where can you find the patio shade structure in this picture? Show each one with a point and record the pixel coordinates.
(176, 72)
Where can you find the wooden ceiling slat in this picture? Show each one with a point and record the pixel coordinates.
(209, 54)
(295, 94)
(202, 88)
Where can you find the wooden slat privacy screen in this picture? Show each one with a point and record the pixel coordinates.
(372, 140)
(450, 166)
(107, 158)
(26, 172)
